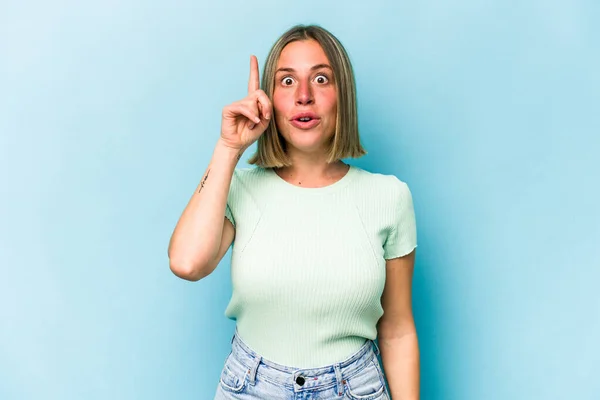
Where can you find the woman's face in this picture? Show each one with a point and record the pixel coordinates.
(305, 98)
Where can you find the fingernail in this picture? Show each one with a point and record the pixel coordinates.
(268, 116)
(257, 120)
(252, 126)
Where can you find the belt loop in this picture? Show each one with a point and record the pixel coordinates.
(338, 378)
(252, 370)
(377, 352)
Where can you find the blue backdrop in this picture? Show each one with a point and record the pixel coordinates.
(109, 113)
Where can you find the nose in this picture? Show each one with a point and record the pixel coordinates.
(304, 94)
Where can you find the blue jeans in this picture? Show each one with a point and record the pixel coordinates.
(246, 375)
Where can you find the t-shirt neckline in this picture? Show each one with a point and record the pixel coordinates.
(337, 185)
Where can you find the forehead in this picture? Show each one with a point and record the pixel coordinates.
(302, 54)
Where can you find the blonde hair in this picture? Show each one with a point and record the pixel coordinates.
(346, 141)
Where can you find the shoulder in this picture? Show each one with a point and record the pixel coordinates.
(248, 184)
(248, 175)
(247, 194)
(248, 172)
(387, 185)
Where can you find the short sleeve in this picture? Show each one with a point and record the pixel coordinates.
(402, 237)
(231, 196)
(228, 214)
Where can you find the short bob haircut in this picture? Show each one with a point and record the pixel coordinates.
(345, 142)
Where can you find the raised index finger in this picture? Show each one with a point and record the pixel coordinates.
(253, 82)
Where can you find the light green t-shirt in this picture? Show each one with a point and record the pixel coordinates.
(308, 264)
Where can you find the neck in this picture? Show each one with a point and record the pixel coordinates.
(312, 170)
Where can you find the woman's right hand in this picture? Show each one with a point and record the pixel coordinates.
(244, 121)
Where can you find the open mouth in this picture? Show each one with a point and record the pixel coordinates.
(305, 123)
(305, 120)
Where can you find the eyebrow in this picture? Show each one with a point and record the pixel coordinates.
(318, 66)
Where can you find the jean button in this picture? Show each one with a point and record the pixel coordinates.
(300, 380)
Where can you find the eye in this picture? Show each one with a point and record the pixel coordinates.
(287, 81)
(321, 79)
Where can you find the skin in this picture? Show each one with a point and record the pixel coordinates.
(396, 330)
(304, 81)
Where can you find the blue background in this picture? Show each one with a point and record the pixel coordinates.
(109, 113)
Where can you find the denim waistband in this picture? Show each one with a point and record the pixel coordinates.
(314, 378)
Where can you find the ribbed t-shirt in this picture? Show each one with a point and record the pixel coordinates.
(308, 264)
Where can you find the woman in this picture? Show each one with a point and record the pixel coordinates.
(324, 252)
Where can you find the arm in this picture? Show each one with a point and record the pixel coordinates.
(202, 234)
(196, 240)
(396, 330)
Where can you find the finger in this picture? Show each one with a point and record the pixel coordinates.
(264, 105)
(238, 109)
(261, 112)
(253, 82)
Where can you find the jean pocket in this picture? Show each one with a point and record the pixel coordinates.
(367, 384)
(233, 376)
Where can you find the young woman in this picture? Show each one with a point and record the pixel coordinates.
(323, 252)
